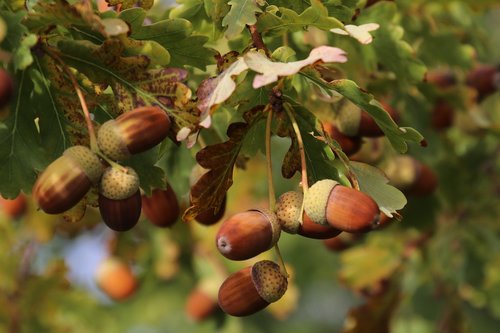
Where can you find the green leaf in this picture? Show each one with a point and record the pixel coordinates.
(398, 136)
(18, 40)
(242, 13)
(373, 182)
(277, 21)
(318, 162)
(21, 154)
(175, 35)
(151, 176)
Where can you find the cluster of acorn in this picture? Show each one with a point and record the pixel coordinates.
(67, 180)
(324, 211)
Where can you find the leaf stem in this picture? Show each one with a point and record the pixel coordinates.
(112, 163)
(305, 185)
(281, 261)
(81, 97)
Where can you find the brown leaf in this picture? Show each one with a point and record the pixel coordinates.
(220, 159)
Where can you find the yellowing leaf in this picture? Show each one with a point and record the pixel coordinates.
(271, 71)
(361, 32)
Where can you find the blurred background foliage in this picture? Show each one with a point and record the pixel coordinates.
(437, 270)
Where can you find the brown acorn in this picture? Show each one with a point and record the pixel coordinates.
(349, 144)
(442, 115)
(133, 132)
(441, 78)
(340, 242)
(13, 208)
(120, 198)
(344, 208)
(247, 234)
(485, 79)
(6, 88)
(162, 207)
(252, 289)
(115, 278)
(411, 176)
(288, 209)
(200, 305)
(66, 180)
(353, 121)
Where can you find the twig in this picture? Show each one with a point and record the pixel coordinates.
(305, 185)
(257, 40)
(270, 183)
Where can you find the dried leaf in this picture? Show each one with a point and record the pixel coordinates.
(220, 159)
(271, 71)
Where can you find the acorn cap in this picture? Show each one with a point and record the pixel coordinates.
(348, 118)
(119, 183)
(288, 209)
(87, 161)
(110, 141)
(270, 283)
(316, 199)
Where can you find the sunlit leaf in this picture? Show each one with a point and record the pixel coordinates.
(242, 13)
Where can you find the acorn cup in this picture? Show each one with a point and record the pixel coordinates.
(120, 198)
(252, 289)
(6, 88)
(354, 122)
(411, 176)
(66, 180)
(162, 207)
(349, 144)
(288, 209)
(133, 132)
(247, 234)
(344, 208)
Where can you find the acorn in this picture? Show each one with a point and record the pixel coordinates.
(6, 88)
(13, 208)
(252, 289)
(66, 180)
(200, 306)
(162, 207)
(133, 132)
(119, 198)
(344, 208)
(349, 144)
(411, 176)
(485, 79)
(288, 209)
(115, 278)
(441, 78)
(442, 115)
(371, 152)
(340, 242)
(247, 234)
(353, 121)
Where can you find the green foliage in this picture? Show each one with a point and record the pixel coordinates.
(220, 69)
